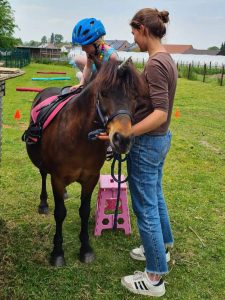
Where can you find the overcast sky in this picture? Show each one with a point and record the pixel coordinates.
(200, 23)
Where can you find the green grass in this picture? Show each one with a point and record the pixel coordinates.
(193, 185)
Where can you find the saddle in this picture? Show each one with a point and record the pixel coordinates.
(43, 114)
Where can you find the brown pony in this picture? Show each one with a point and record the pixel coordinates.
(66, 153)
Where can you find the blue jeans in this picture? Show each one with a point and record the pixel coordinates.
(145, 170)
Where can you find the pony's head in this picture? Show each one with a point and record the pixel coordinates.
(118, 87)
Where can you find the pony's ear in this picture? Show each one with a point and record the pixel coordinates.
(97, 62)
(123, 66)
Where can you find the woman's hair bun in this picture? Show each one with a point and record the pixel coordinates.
(164, 15)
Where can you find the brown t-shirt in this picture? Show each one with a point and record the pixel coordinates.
(160, 76)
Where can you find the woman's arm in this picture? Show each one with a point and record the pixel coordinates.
(150, 123)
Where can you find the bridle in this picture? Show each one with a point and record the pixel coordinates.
(105, 119)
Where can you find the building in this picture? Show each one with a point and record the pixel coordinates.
(133, 47)
(202, 52)
(119, 45)
(172, 49)
(43, 51)
(177, 49)
(66, 48)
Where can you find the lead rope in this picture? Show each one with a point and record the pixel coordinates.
(117, 157)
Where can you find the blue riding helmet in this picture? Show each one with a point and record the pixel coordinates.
(87, 31)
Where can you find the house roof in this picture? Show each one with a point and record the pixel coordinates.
(132, 47)
(118, 44)
(68, 46)
(172, 49)
(48, 46)
(31, 47)
(202, 52)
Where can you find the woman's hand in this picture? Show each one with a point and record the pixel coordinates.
(103, 136)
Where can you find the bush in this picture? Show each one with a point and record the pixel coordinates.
(48, 61)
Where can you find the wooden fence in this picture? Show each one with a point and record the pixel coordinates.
(191, 71)
(204, 73)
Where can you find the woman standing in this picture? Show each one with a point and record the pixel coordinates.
(147, 156)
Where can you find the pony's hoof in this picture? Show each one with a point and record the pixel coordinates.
(43, 210)
(57, 261)
(87, 258)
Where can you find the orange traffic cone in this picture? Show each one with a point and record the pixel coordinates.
(177, 113)
(17, 115)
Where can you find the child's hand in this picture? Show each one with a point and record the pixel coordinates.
(74, 87)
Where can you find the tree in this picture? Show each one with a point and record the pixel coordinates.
(7, 25)
(222, 49)
(31, 43)
(19, 42)
(213, 48)
(58, 38)
(44, 40)
(52, 39)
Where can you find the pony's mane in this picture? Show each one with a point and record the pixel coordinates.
(111, 76)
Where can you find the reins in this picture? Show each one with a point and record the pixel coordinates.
(117, 157)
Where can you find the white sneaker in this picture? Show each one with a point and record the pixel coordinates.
(139, 254)
(139, 283)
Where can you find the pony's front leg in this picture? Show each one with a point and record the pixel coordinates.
(86, 252)
(57, 255)
(43, 206)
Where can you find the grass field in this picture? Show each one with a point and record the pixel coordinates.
(194, 185)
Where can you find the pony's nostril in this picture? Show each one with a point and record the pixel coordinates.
(121, 143)
(116, 138)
